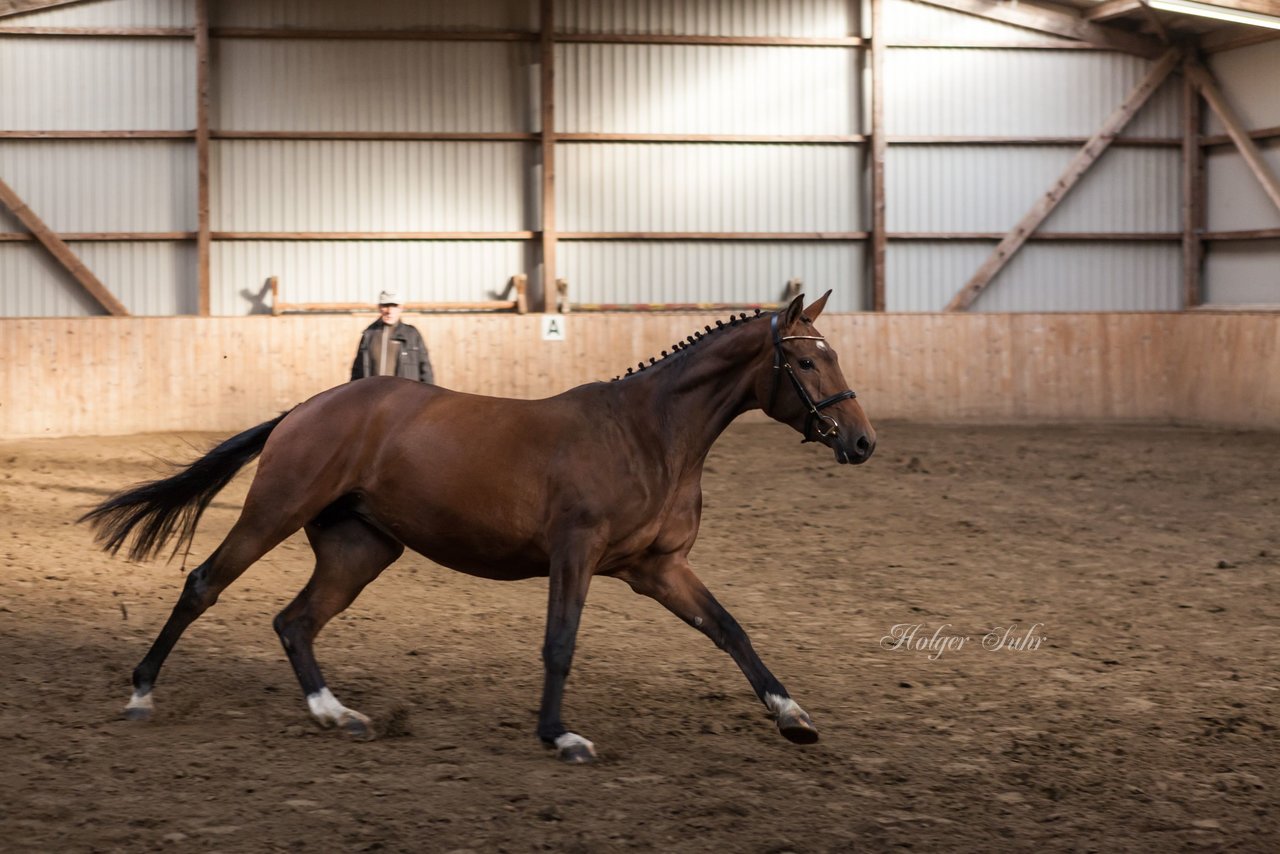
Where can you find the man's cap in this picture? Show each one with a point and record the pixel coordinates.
(389, 298)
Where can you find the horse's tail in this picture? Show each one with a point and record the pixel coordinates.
(176, 503)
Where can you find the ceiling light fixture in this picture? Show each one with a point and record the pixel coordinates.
(1221, 13)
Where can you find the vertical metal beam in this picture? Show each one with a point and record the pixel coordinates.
(878, 148)
(1235, 129)
(1085, 158)
(547, 89)
(202, 154)
(1193, 195)
(60, 251)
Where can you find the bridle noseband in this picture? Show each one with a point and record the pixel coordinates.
(827, 426)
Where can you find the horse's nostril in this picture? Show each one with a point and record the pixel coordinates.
(863, 445)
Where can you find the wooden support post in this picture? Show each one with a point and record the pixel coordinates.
(519, 285)
(1204, 81)
(548, 82)
(1193, 195)
(522, 293)
(562, 296)
(202, 155)
(1079, 164)
(60, 251)
(879, 147)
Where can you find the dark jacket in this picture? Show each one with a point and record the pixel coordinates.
(413, 362)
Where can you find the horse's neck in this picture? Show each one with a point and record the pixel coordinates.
(690, 400)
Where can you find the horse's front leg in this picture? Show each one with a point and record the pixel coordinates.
(572, 566)
(669, 580)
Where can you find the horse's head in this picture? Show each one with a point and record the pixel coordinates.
(803, 386)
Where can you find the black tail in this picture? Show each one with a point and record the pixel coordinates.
(174, 504)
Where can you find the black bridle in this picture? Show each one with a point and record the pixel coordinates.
(826, 425)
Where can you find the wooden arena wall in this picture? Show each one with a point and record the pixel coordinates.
(100, 376)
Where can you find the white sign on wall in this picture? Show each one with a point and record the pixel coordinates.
(553, 327)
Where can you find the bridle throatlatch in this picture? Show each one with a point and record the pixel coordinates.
(827, 426)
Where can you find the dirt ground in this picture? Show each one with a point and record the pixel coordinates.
(1137, 564)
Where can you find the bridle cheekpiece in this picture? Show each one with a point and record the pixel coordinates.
(826, 425)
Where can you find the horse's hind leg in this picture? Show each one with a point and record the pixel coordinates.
(246, 542)
(350, 553)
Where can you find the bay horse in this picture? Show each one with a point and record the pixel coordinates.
(603, 479)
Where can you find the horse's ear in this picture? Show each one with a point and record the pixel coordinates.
(811, 313)
(792, 312)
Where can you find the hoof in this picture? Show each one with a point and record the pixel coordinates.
(351, 724)
(575, 749)
(793, 722)
(798, 729)
(358, 727)
(330, 714)
(139, 708)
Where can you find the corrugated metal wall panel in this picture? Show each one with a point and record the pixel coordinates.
(33, 285)
(989, 188)
(355, 271)
(1245, 273)
(924, 276)
(150, 278)
(472, 86)
(373, 186)
(1104, 277)
(377, 14)
(639, 187)
(802, 18)
(707, 89)
(96, 84)
(371, 85)
(1236, 199)
(1018, 93)
(1247, 77)
(113, 13)
(108, 185)
(729, 271)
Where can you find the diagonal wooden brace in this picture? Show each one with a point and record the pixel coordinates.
(1059, 21)
(1203, 80)
(60, 251)
(1085, 158)
(18, 7)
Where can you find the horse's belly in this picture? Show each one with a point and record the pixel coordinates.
(481, 550)
(494, 567)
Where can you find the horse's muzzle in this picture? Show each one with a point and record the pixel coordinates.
(854, 450)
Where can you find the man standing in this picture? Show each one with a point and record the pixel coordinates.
(389, 348)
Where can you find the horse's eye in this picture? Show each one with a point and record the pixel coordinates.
(806, 364)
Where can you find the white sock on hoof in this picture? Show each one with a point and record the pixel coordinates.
(781, 706)
(327, 710)
(572, 739)
(141, 701)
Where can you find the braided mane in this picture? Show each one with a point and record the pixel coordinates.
(681, 346)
